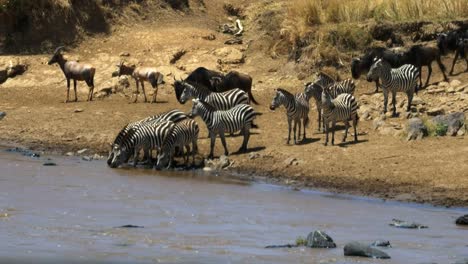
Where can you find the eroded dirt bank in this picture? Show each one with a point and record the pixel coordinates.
(382, 164)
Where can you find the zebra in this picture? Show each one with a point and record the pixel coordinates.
(297, 108)
(342, 108)
(149, 135)
(220, 101)
(240, 117)
(314, 90)
(183, 133)
(345, 86)
(173, 115)
(402, 79)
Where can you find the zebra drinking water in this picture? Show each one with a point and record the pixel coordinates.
(240, 117)
(183, 133)
(297, 108)
(343, 108)
(220, 101)
(402, 79)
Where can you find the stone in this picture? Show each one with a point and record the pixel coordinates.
(461, 132)
(229, 55)
(450, 90)
(217, 164)
(78, 110)
(381, 243)
(69, 154)
(378, 123)
(436, 91)
(2, 115)
(97, 157)
(404, 224)
(462, 220)
(416, 129)
(124, 54)
(362, 250)
(291, 161)
(81, 151)
(254, 155)
(319, 239)
(455, 83)
(416, 101)
(443, 85)
(435, 111)
(453, 121)
(87, 158)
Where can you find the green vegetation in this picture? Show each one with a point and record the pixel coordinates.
(434, 130)
(301, 241)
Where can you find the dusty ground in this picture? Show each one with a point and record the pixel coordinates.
(434, 170)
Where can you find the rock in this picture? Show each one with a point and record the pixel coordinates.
(282, 246)
(2, 115)
(229, 55)
(129, 226)
(450, 90)
(209, 37)
(455, 83)
(97, 157)
(217, 164)
(453, 121)
(416, 129)
(49, 164)
(362, 250)
(435, 111)
(416, 101)
(69, 154)
(24, 152)
(254, 155)
(124, 54)
(291, 161)
(443, 85)
(87, 158)
(460, 89)
(378, 123)
(461, 132)
(319, 239)
(81, 151)
(462, 220)
(78, 110)
(233, 41)
(381, 243)
(436, 91)
(403, 224)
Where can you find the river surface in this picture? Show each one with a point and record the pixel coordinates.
(70, 211)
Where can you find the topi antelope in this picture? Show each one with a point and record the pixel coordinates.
(141, 74)
(76, 71)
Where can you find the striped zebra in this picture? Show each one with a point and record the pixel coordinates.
(173, 115)
(149, 135)
(402, 79)
(345, 86)
(220, 101)
(341, 109)
(182, 135)
(240, 117)
(297, 108)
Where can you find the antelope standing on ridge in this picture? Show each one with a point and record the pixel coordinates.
(76, 71)
(141, 74)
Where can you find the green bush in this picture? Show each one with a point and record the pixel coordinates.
(441, 129)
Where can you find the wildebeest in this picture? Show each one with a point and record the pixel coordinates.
(142, 74)
(454, 41)
(201, 76)
(234, 80)
(362, 65)
(75, 71)
(419, 56)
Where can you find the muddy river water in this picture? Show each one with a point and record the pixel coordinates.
(70, 211)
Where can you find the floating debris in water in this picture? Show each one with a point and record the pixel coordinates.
(282, 246)
(403, 224)
(130, 226)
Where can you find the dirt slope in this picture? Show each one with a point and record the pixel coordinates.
(433, 170)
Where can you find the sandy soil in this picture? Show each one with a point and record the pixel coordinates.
(434, 170)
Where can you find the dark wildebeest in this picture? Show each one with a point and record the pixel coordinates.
(201, 76)
(362, 65)
(75, 71)
(142, 74)
(234, 80)
(454, 41)
(419, 56)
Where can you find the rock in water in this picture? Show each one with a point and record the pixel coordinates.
(282, 246)
(416, 129)
(319, 239)
(362, 250)
(404, 224)
(381, 243)
(462, 220)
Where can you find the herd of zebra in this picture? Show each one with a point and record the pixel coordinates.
(223, 101)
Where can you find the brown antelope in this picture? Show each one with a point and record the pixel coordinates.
(141, 74)
(76, 71)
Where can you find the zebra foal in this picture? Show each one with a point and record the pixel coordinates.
(402, 79)
(240, 117)
(341, 109)
(297, 108)
(182, 135)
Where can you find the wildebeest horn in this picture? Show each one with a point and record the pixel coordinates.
(57, 50)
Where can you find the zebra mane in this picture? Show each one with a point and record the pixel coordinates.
(285, 93)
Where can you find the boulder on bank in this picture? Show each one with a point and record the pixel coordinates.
(416, 129)
(319, 239)
(453, 122)
(462, 220)
(362, 250)
(217, 164)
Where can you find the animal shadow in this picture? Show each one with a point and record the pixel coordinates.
(307, 141)
(351, 142)
(249, 150)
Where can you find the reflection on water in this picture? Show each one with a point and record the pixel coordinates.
(70, 211)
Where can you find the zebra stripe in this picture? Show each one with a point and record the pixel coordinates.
(341, 109)
(183, 133)
(314, 90)
(220, 101)
(240, 117)
(297, 108)
(345, 86)
(149, 135)
(402, 79)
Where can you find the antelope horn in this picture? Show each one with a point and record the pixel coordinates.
(57, 50)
